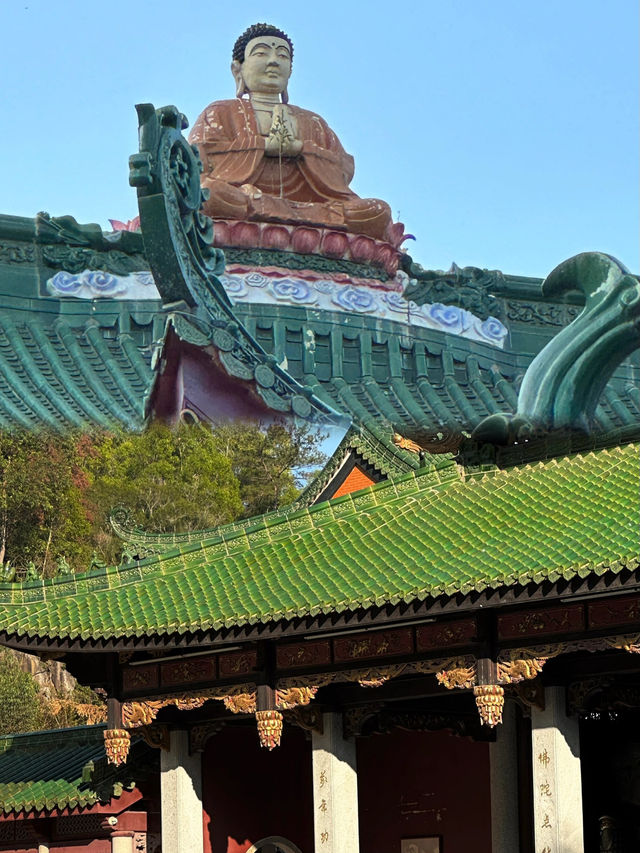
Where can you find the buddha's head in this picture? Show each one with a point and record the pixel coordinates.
(262, 59)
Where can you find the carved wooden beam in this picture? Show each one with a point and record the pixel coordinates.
(521, 667)
(136, 714)
(461, 673)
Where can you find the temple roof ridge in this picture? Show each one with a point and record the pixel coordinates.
(390, 459)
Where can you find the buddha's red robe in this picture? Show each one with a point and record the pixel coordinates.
(310, 188)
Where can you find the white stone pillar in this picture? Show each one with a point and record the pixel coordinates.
(335, 789)
(122, 842)
(503, 758)
(181, 796)
(557, 782)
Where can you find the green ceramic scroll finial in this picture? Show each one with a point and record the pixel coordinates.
(562, 385)
(178, 242)
(178, 238)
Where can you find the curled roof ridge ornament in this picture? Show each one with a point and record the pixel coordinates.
(178, 242)
(178, 237)
(562, 385)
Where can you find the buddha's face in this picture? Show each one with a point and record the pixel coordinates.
(267, 65)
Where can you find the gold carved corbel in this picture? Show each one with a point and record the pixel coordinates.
(137, 714)
(626, 642)
(490, 703)
(270, 720)
(116, 745)
(269, 728)
(285, 699)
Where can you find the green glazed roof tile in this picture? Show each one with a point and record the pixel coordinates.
(59, 377)
(422, 536)
(67, 361)
(436, 380)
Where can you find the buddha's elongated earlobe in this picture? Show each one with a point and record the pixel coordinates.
(236, 70)
(285, 96)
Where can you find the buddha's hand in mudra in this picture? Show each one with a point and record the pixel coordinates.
(282, 140)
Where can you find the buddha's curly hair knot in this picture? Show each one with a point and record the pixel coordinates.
(253, 32)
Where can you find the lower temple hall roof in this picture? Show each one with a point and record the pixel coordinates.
(61, 769)
(441, 531)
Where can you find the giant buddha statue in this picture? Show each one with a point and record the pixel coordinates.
(267, 161)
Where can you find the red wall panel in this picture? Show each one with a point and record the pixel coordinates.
(411, 784)
(417, 784)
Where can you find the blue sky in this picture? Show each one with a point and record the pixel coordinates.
(504, 134)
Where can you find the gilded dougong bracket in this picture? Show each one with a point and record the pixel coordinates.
(520, 668)
(628, 643)
(141, 714)
(269, 720)
(285, 700)
(292, 697)
(242, 703)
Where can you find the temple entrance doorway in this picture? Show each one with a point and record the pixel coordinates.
(274, 844)
(267, 817)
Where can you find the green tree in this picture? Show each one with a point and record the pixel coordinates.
(271, 463)
(56, 492)
(171, 480)
(42, 507)
(19, 698)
